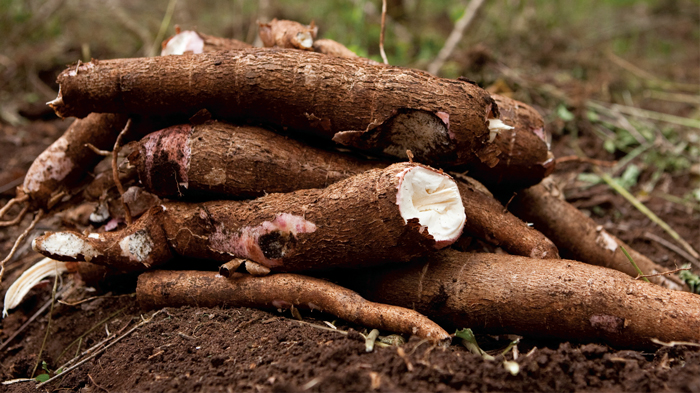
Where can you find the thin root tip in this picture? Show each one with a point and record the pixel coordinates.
(58, 101)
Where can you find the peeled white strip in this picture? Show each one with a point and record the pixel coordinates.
(433, 198)
(47, 267)
(495, 128)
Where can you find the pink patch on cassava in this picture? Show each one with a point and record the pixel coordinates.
(51, 164)
(540, 132)
(174, 141)
(445, 117)
(244, 243)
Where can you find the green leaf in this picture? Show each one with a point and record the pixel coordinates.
(465, 334)
(696, 194)
(45, 366)
(42, 377)
(469, 342)
(564, 113)
(609, 146)
(592, 116)
(691, 279)
(629, 177)
(589, 178)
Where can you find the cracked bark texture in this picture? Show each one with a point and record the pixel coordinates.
(222, 160)
(352, 223)
(505, 294)
(380, 109)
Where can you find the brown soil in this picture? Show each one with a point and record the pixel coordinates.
(241, 349)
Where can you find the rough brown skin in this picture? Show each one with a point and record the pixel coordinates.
(385, 110)
(63, 164)
(227, 161)
(505, 294)
(163, 288)
(489, 220)
(578, 236)
(222, 160)
(287, 34)
(333, 48)
(303, 230)
(524, 158)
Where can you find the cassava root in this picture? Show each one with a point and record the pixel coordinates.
(63, 164)
(162, 288)
(496, 293)
(223, 160)
(489, 220)
(380, 109)
(287, 34)
(524, 158)
(579, 237)
(379, 216)
(227, 161)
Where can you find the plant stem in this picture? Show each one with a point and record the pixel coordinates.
(639, 271)
(653, 217)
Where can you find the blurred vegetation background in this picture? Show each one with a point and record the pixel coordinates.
(625, 71)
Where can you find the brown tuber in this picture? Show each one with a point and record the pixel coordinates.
(579, 237)
(228, 161)
(524, 158)
(287, 34)
(380, 109)
(333, 48)
(505, 294)
(63, 164)
(379, 216)
(489, 220)
(281, 291)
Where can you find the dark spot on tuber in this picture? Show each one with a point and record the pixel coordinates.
(607, 323)
(275, 245)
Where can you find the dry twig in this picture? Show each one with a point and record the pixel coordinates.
(662, 273)
(115, 171)
(142, 323)
(673, 248)
(19, 241)
(381, 34)
(455, 36)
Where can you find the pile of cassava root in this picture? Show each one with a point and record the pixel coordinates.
(303, 158)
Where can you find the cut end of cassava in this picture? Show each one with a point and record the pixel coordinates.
(64, 246)
(305, 40)
(433, 199)
(181, 43)
(495, 127)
